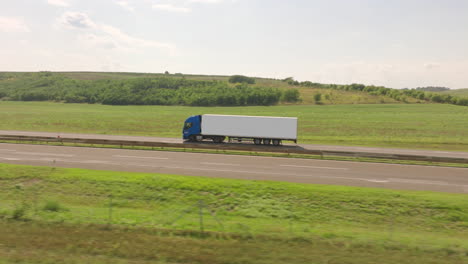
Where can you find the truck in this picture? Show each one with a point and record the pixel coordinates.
(264, 130)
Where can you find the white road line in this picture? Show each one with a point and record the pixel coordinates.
(222, 164)
(90, 162)
(96, 162)
(377, 181)
(314, 167)
(138, 157)
(45, 154)
(9, 158)
(383, 181)
(51, 159)
(415, 181)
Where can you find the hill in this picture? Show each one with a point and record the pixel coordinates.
(197, 90)
(457, 92)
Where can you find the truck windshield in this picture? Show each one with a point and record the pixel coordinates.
(187, 125)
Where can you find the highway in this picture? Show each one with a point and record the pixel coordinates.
(453, 154)
(392, 176)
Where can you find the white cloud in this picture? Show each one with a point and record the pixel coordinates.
(431, 65)
(171, 8)
(126, 5)
(63, 3)
(76, 20)
(206, 1)
(98, 35)
(13, 24)
(182, 6)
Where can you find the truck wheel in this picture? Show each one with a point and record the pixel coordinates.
(276, 142)
(218, 139)
(266, 141)
(257, 141)
(193, 139)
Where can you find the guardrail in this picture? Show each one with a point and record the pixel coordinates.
(236, 147)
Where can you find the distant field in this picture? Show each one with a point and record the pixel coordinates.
(457, 92)
(52, 215)
(427, 126)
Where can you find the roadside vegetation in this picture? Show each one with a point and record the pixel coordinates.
(193, 90)
(119, 217)
(459, 93)
(424, 126)
(137, 91)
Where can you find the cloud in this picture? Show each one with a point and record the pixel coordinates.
(431, 65)
(206, 1)
(98, 35)
(63, 3)
(182, 6)
(76, 20)
(13, 25)
(125, 4)
(172, 8)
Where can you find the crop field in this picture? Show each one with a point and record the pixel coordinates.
(85, 216)
(423, 126)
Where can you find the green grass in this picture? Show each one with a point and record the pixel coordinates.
(423, 126)
(457, 92)
(252, 218)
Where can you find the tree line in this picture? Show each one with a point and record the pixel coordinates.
(47, 86)
(399, 95)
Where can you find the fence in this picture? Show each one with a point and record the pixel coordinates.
(28, 203)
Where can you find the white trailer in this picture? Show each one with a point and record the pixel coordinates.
(259, 129)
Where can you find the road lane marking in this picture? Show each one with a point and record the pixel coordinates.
(376, 181)
(222, 164)
(45, 154)
(415, 181)
(312, 176)
(314, 167)
(51, 159)
(96, 162)
(9, 158)
(138, 157)
(89, 162)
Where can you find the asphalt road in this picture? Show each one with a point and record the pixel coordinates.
(453, 154)
(242, 167)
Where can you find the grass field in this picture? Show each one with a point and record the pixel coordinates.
(424, 126)
(457, 92)
(118, 217)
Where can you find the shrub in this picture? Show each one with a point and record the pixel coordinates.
(291, 96)
(53, 206)
(19, 213)
(241, 79)
(318, 97)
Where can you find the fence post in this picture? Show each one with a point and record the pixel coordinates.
(392, 226)
(200, 213)
(110, 211)
(35, 200)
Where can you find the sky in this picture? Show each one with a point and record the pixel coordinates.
(393, 43)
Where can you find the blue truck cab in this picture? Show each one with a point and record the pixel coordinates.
(192, 127)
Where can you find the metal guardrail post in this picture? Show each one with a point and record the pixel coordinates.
(224, 147)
